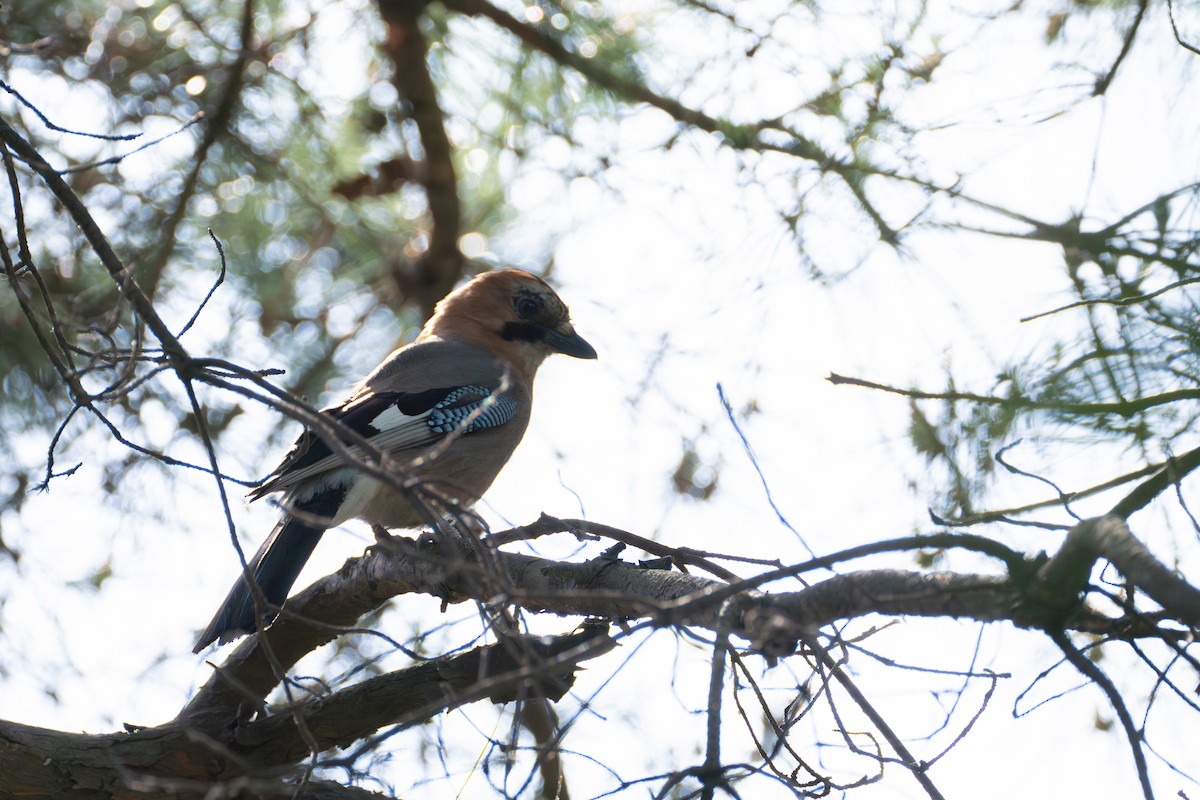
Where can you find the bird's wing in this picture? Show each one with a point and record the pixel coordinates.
(397, 410)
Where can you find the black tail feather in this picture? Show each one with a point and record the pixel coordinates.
(275, 565)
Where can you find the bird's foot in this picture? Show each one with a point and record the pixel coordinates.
(382, 534)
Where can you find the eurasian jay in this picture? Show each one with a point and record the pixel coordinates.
(450, 408)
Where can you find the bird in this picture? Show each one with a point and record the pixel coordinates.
(450, 408)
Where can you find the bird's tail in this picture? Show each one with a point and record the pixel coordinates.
(275, 566)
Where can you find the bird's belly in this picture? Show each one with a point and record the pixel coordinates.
(380, 505)
(447, 484)
(370, 500)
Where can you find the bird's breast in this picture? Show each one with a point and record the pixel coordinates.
(459, 473)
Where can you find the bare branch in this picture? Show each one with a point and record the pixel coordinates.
(1110, 538)
(178, 758)
(1097, 676)
(915, 767)
(515, 668)
(1124, 409)
(99, 242)
(1103, 83)
(1163, 477)
(607, 588)
(1191, 48)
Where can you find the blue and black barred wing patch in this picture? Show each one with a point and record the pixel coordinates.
(394, 422)
(471, 408)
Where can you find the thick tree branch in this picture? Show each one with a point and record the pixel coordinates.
(440, 266)
(1164, 477)
(328, 790)
(515, 669)
(176, 760)
(207, 740)
(1067, 573)
(604, 587)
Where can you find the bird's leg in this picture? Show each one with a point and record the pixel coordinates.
(382, 534)
(435, 546)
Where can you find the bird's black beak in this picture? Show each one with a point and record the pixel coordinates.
(571, 343)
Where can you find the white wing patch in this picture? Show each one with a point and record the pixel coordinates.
(392, 417)
(462, 411)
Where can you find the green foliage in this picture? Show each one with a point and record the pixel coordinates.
(266, 170)
(1132, 376)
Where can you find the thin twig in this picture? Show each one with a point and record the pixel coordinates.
(737, 428)
(117, 159)
(1175, 29)
(906, 758)
(212, 289)
(1103, 83)
(108, 137)
(1127, 408)
(1113, 301)
(1090, 670)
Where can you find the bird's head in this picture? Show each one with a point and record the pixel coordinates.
(511, 313)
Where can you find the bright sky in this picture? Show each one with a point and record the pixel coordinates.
(683, 256)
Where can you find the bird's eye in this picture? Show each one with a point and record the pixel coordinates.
(528, 306)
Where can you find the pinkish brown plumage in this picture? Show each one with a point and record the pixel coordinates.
(449, 408)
